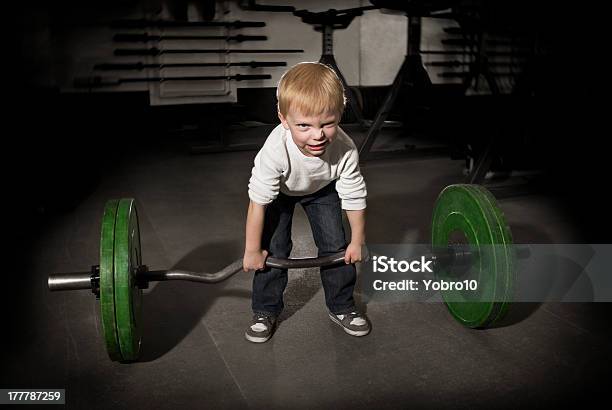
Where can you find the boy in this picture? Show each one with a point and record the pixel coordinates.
(309, 160)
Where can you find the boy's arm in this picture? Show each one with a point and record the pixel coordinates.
(357, 222)
(352, 191)
(264, 186)
(254, 256)
(350, 185)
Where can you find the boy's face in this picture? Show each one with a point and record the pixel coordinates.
(313, 134)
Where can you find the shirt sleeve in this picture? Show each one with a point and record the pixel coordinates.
(264, 183)
(350, 185)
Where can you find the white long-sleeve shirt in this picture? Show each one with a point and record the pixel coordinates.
(281, 166)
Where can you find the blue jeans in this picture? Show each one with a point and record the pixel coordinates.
(325, 216)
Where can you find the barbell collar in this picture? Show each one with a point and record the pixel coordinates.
(69, 281)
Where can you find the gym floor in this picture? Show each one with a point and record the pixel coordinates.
(192, 211)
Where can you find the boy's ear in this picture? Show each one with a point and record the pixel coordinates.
(283, 120)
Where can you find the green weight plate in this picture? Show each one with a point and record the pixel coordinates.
(507, 259)
(128, 297)
(107, 280)
(472, 211)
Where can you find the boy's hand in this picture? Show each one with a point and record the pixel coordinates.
(254, 260)
(352, 253)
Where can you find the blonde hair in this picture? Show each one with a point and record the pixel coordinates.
(310, 89)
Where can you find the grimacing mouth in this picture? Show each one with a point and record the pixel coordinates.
(318, 145)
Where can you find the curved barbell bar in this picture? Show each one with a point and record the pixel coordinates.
(83, 280)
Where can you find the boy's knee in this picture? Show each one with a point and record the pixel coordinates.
(280, 250)
(329, 248)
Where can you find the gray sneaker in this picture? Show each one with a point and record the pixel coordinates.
(261, 328)
(354, 323)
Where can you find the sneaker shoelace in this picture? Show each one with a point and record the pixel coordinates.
(356, 319)
(260, 326)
